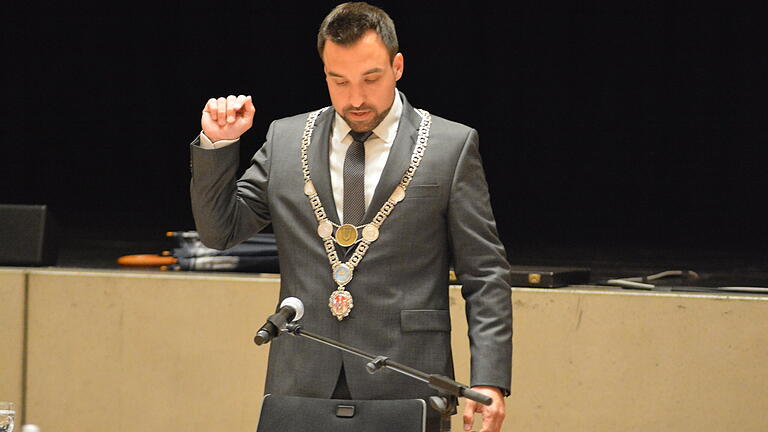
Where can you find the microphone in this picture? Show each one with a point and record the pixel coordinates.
(291, 309)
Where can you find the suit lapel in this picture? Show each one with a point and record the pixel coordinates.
(319, 166)
(398, 159)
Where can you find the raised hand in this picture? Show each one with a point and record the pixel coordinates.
(227, 118)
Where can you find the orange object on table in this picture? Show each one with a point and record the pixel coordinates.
(147, 260)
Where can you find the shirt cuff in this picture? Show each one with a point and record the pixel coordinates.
(207, 144)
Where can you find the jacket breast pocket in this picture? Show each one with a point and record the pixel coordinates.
(423, 191)
(425, 320)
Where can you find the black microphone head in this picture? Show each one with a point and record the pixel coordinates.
(262, 337)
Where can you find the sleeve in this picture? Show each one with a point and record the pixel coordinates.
(206, 142)
(228, 211)
(481, 266)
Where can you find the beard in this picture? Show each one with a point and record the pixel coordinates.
(364, 125)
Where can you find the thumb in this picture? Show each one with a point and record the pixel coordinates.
(469, 414)
(249, 108)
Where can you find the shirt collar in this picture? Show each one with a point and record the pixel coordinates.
(386, 130)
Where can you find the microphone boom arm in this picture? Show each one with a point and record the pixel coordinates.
(441, 383)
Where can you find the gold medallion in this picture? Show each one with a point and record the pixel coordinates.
(309, 188)
(398, 194)
(370, 233)
(325, 229)
(346, 235)
(340, 303)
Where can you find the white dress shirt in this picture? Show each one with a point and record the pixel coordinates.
(376, 152)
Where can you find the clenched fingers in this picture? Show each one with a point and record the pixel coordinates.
(231, 109)
(239, 102)
(221, 110)
(225, 110)
(211, 109)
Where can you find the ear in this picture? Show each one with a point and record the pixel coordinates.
(398, 64)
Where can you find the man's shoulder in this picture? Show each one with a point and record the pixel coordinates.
(295, 121)
(439, 124)
(450, 125)
(446, 130)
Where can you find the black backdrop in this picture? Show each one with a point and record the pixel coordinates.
(599, 124)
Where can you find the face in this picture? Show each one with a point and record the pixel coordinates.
(361, 80)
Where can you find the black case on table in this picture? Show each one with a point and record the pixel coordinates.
(548, 277)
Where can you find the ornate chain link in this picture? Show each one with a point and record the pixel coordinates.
(325, 226)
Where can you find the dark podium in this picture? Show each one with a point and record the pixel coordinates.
(293, 414)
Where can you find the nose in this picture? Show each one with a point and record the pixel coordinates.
(357, 96)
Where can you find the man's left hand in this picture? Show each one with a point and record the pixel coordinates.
(493, 415)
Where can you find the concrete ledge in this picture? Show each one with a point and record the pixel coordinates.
(139, 350)
(12, 298)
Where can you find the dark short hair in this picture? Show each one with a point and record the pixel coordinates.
(347, 23)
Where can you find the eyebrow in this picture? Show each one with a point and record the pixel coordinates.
(368, 72)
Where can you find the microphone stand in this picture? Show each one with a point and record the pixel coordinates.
(444, 404)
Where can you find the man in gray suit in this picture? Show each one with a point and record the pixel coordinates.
(371, 201)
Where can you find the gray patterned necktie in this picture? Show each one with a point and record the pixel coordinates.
(354, 179)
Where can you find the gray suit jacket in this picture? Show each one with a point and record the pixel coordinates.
(400, 288)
